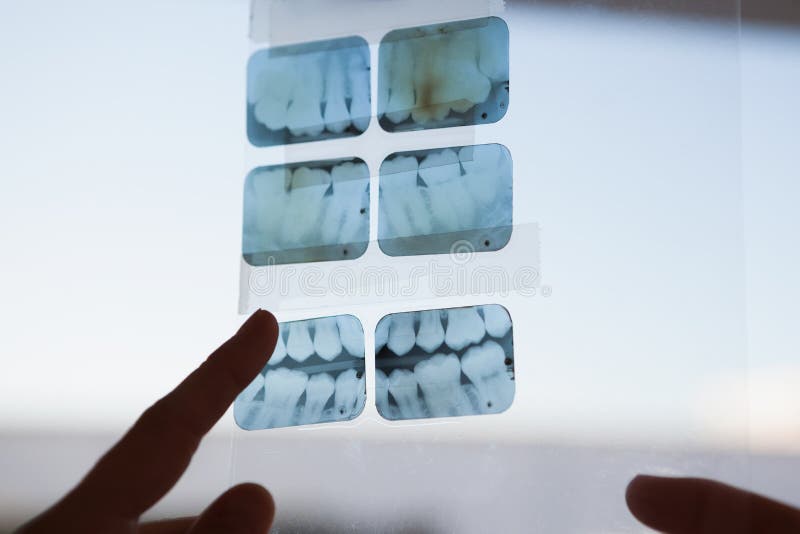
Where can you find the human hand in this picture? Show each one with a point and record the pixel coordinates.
(154, 453)
(699, 506)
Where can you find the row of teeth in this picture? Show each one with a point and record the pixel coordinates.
(456, 328)
(480, 382)
(307, 207)
(313, 92)
(450, 190)
(328, 338)
(275, 399)
(427, 78)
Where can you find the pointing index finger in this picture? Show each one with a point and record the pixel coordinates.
(154, 453)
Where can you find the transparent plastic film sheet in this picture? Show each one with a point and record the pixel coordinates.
(488, 303)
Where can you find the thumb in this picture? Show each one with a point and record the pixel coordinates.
(243, 509)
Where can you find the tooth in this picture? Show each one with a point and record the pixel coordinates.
(497, 321)
(403, 387)
(347, 218)
(326, 338)
(401, 333)
(358, 70)
(337, 118)
(492, 54)
(431, 333)
(439, 378)
(485, 366)
(280, 348)
(382, 395)
(382, 333)
(306, 197)
(352, 335)
(263, 210)
(298, 344)
(401, 81)
(474, 398)
(430, 71)
(319, 389)
(464, 327)
(463, 84)
(304, 116)
(452, 207)
(482, 176)
(271, 92)
(282, 389)
(349, 389)
(246, 409)
(404, 212)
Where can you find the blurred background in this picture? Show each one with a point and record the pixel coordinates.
(658, 142)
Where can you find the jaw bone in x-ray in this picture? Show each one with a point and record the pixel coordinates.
(308, 92)
(315, 375)
(305, 212)
(443, 363)
(443, 75)
(431, 199)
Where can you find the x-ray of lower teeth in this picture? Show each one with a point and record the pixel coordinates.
(315, 375)
(308, 92)
(443, 363)
(443, 75)
(306, 212)
(433, 200)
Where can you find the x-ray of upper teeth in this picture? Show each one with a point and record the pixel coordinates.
(305, 212)
(315, 375)
(443, 75)
(442, 363)
(308, 92)
(431, 200)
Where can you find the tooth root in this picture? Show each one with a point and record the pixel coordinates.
(272, 91)
(304, 115)
(326, 338)
(282, 390)
(464, 84)
(431, 333)
(497, 321)
(440, 380)
(439, 170)
(264, 210)
(485, 367)
(246, 409)
(382, 333)
(405, 213)
(349, 388)
(337, 117)
(464, 327)
(347, 218)
(401, 82)
(305, 201)
(358, 70)
(319, 389)
(352, 335)
(403, 387)
(382, 396)
(492, 54)
(401, 333)
(298, 344)
(280, 348)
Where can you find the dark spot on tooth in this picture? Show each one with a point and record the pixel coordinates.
(359, 374)
(344, 252)
(341, 411)
(486, 243)
(489, 404)
(509, 361)
(362, 211)
(484, 115)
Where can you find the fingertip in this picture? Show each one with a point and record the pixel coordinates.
(246, 508)
(639, 497)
